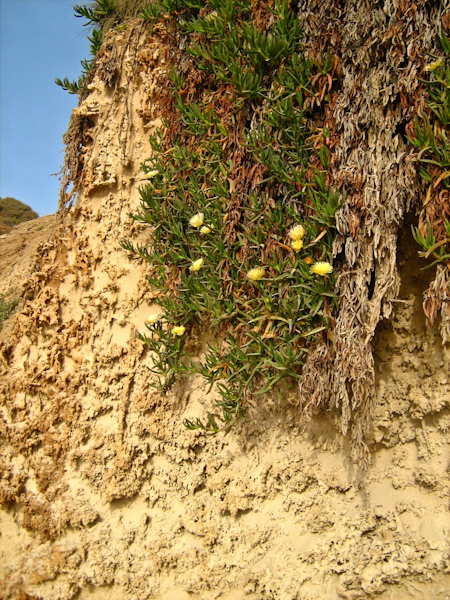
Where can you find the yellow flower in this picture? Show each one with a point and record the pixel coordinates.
(152, 174)
(297, 245)
(321, 268)
(256, 273)
(297, 232)
(152, 319)
(205, 230)
(197, 220)
(434, 65)
(179, 330)
(196, 265)
(212, 15)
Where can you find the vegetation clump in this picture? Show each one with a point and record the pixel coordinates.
(238, 202)
(431, 138)
(8, 306)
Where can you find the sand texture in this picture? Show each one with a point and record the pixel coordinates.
(106, 496)
(18, 249)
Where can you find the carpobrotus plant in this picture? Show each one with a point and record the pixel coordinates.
(433, 232)
(240, 213)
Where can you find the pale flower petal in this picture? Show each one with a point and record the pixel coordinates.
(179, 330)
(321, 268)
(196, 265)
(256, 273)
(297, 232)
(151, 319)
(197, 220)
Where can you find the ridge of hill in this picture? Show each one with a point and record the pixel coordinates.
(13, 212)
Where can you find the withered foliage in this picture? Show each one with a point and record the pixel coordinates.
(382, 49)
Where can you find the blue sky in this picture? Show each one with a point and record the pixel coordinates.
(39, 40)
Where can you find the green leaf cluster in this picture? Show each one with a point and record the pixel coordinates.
(434, 152)
(236, 51)
(432, 247)
(221, 201)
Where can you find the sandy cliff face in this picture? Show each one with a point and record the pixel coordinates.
(18, 249)
(105, 495)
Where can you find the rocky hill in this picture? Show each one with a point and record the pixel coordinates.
(13, 212)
